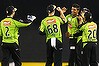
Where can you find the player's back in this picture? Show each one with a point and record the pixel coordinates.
(90, 31)
(52, 27)
(9, 30)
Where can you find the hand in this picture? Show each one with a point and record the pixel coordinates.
(31, 17)
(64, 9)
(67, 34)
(59, 9)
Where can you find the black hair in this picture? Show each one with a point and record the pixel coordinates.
(76, 6)
(50, 8)
(9, 10)
(88, 16)
(85, 10)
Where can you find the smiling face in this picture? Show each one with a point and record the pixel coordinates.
(74, 11)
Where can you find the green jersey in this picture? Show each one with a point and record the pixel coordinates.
(51, 26)
(9, 30)
(72, 24)
(89, 32)
(0, 30)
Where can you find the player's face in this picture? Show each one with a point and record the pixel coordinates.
(74, 11)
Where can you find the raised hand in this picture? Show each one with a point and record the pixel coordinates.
(64, 9)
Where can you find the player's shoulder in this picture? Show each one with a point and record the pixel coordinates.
(5, 19)
(56, 16)
(51, 17)
(44, 19)
(94, 23)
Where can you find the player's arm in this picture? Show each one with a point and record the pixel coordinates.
(79, 33)
(42, 29)
(61, 14)
(20, 24)
(25, 23)
(40, 32)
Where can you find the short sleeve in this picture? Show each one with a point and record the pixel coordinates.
(42, 26)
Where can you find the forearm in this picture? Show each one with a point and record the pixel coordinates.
(63, 16)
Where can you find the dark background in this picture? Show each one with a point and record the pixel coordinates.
(33, 47)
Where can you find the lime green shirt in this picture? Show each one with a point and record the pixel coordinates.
(72, 24)
(89, 32)
(0, 30)
(9, 30)
(51, 26)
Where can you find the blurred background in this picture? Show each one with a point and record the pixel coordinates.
(33, 47)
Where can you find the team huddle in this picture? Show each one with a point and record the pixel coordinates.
(82, 34)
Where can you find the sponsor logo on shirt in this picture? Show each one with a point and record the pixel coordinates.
(51, 21)
(6, 23)
(92, 26)
(69, 19)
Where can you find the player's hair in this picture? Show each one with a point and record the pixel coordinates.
(50, 8)
(88, 16)
(76, 6)
(85, 10)
(9, 10)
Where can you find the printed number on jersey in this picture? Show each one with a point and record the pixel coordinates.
(52, 29)
(92, 34)
(7, 30)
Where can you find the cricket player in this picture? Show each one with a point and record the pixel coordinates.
(50, 26)
(9, 32)
(89, 39)
(73, 23)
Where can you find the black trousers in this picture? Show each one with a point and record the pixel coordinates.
(79, 48)
(10, 50)
(54, 54)
(74, 56)
(89, 55)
